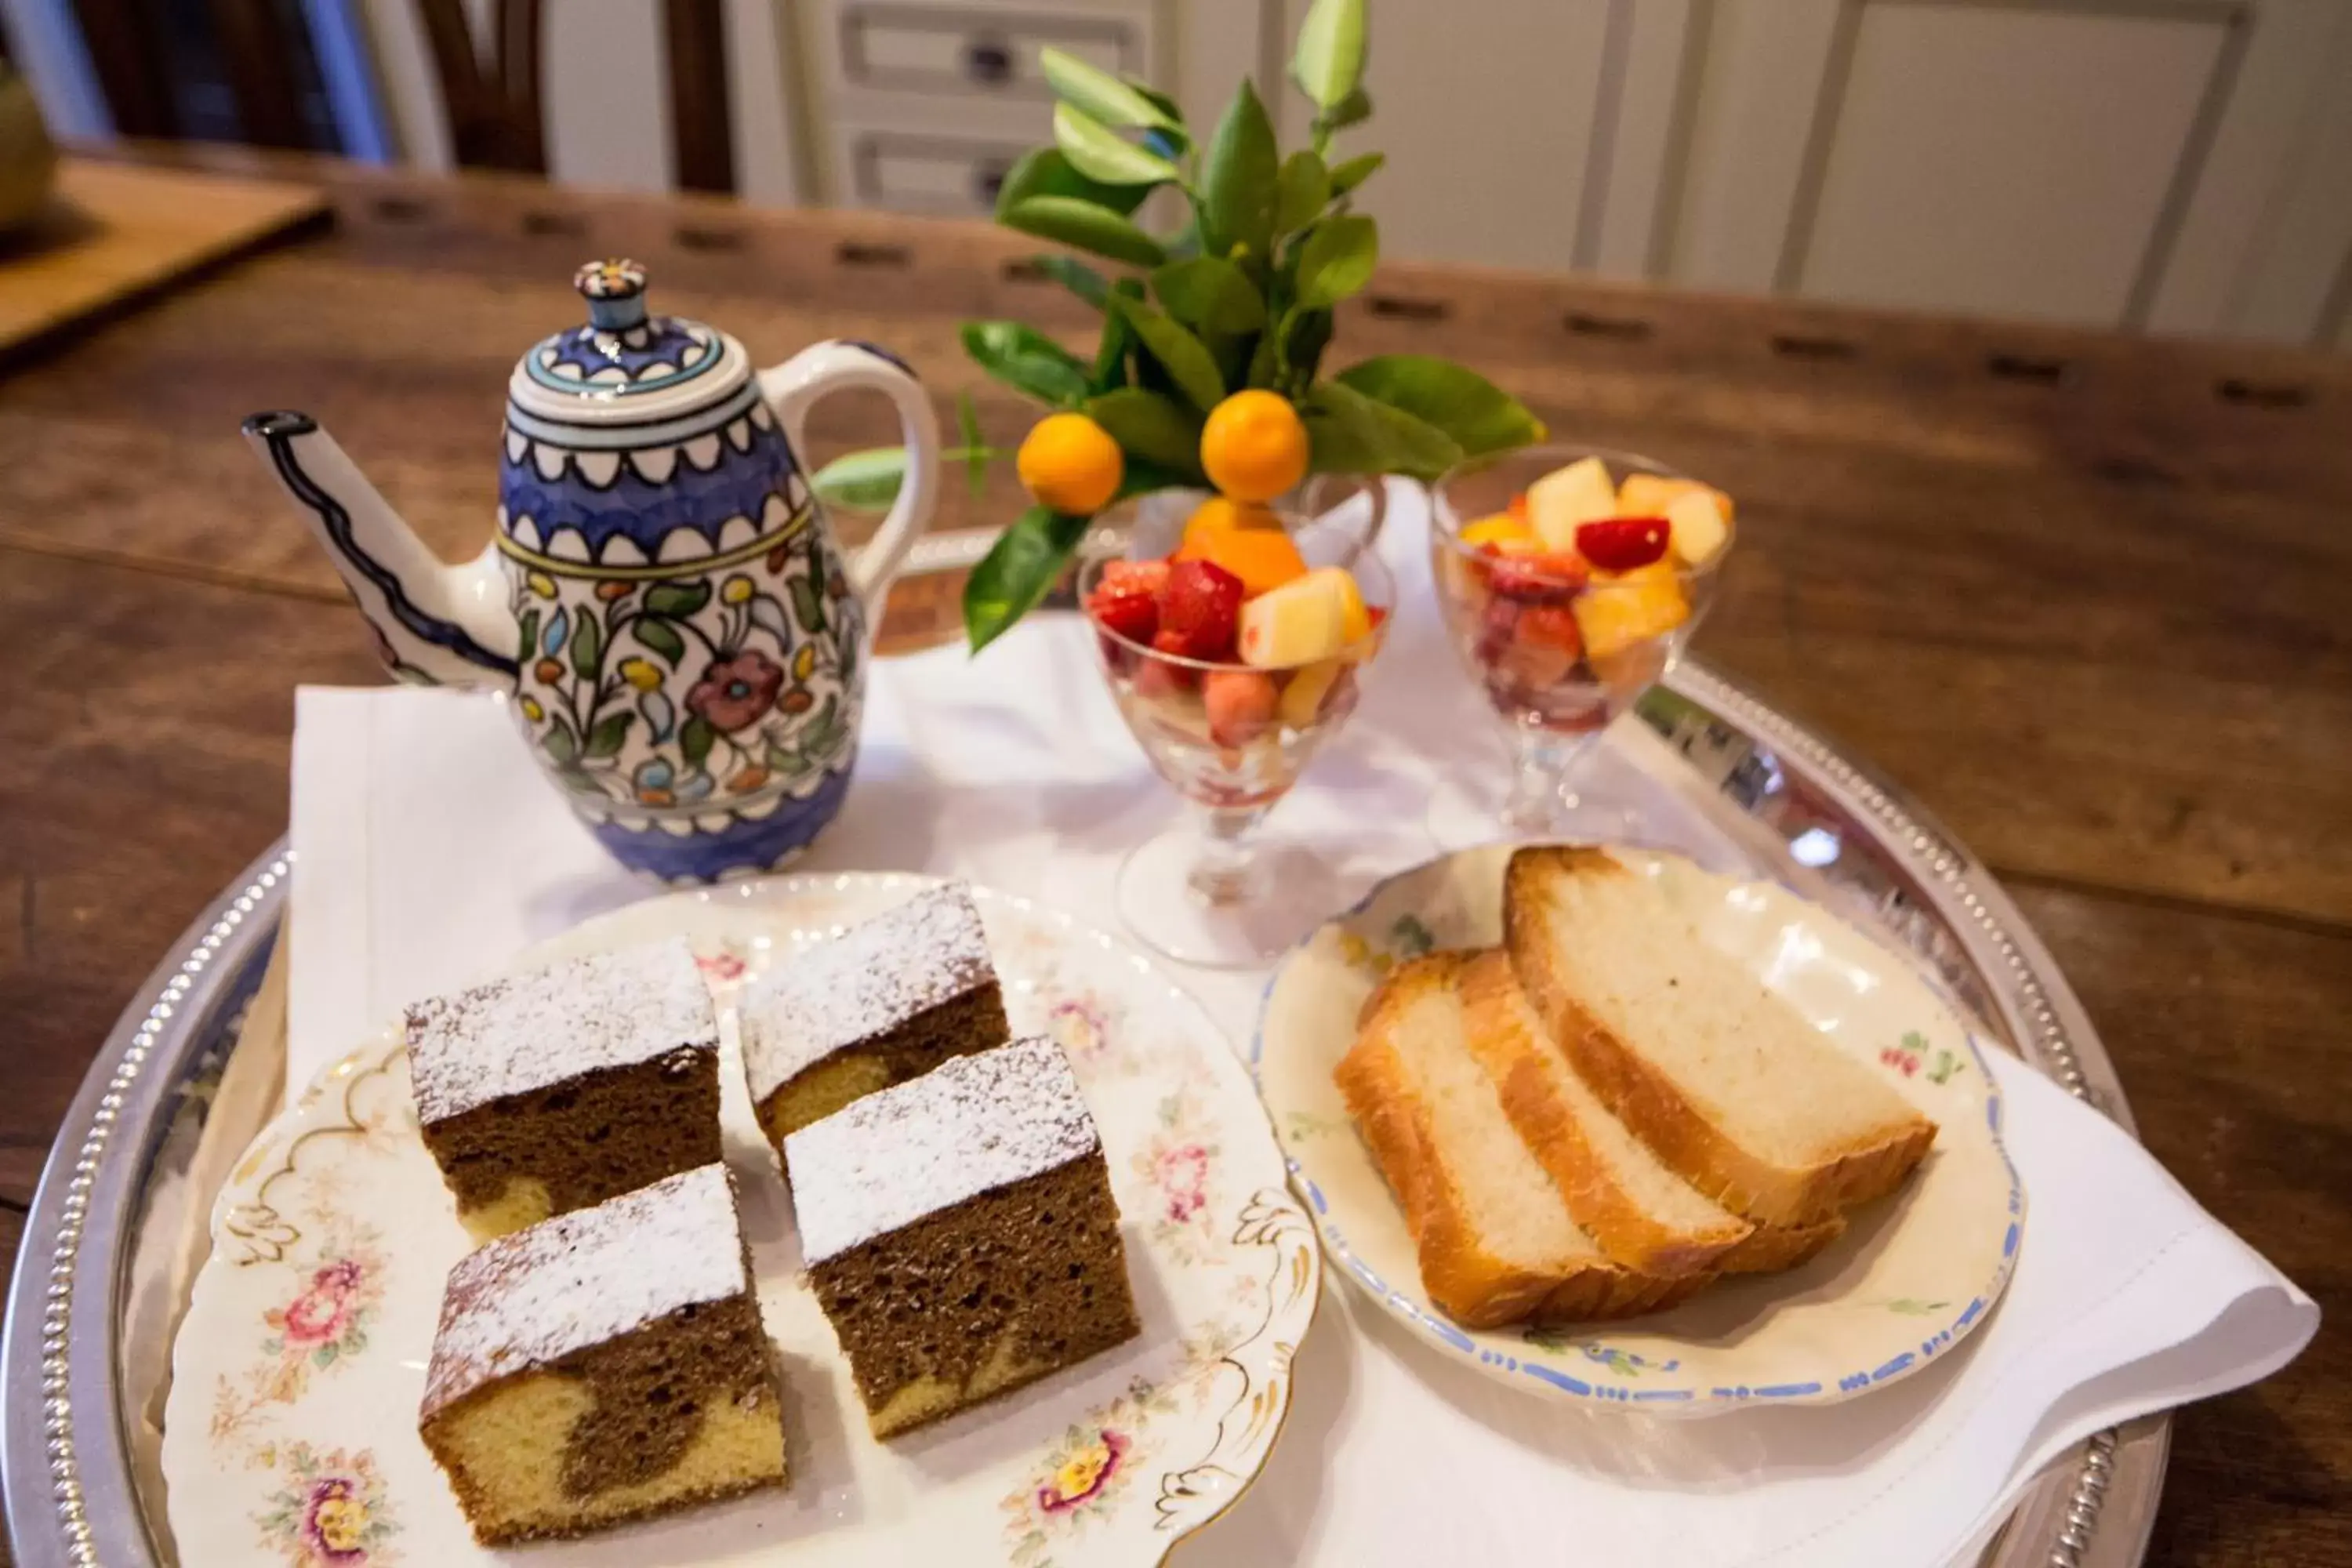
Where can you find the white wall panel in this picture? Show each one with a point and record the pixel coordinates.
(1995, 159)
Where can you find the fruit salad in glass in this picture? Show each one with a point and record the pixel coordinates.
(1232, 659)
(1570, 579)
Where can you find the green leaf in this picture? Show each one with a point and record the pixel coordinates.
(694, 738)
(1355, 172)
(1118, 336)
(1085, 226)
(1099, 93)
(604, 740)
(1097, 151)
(1238, 176)
(1018, 571)
(560, 743)
(862, 481)
(1146, 425)
(1160, 100)
(587, 647)
(1351, 434)
(1478, 415)
(808, 605)
(1027, 361)
(1304, 189)
(1310, 331)
(1352, 109)
(1329, 59)
(529, 641)
(1142, 476)
(1211, 294)
(676, 600)
(662, 637)
(1186, 359)
(1263, 367)
(1044, 172)
(1075, 276)
(1337, 259)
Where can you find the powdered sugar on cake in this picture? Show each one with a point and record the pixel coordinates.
(527, 1031)
(967, 1127)
(585, 1278)
(872, 978)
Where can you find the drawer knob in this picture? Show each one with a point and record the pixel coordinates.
(988, 59)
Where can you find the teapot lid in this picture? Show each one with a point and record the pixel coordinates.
(626, 365)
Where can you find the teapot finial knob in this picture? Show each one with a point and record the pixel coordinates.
(615, 292)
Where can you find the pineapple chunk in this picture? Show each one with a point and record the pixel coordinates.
(1620, 609)
(1302, 699)
(1649, 495)
(1501, 530)
(1355, 620)
(1304, 620)
(1580, 493)
(1697, 523)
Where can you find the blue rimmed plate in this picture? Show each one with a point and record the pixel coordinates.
(1912, 1277)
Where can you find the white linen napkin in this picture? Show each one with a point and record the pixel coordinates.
(430, 852)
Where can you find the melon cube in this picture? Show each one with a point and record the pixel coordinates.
(1304, 620)
(1620, 609)
(1565, 498)
(1697, 527)
(1649, 495)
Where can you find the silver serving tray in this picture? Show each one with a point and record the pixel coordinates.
(1827, 825)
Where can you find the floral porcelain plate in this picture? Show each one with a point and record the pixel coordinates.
(291, 1431)
(1914, 1273)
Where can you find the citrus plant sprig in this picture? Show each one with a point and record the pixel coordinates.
(1239, 299)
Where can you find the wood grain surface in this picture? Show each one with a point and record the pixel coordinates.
(113, 232)
(2084, 596)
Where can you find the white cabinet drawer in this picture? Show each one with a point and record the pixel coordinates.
(971, 51)
(921, 172)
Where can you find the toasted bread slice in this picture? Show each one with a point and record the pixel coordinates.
(1726, 1082)
(1496, 1242)
(1642, 1215)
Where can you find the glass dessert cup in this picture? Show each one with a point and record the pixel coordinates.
(1558, 654)
(1232, 738)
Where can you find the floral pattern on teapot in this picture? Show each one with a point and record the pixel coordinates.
(673, 691)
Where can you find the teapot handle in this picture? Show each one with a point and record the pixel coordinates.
(795, 386)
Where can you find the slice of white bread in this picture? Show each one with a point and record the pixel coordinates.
(1730, 1085)
(1495, 1239)
(1642, 1215)
(1773, 1248)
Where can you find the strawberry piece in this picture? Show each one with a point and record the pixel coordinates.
(1126, 598)
(1135, 616)
(1624, 543)
(1200, 611)
(1141, 576)
(1551, 626)
(1241, 704)
(1497, 629)
(1537, 579)
(1157, 678)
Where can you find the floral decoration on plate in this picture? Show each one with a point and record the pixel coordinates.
(291, 1435)
(1915, 1273)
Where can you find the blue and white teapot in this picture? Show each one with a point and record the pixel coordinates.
(682, 640)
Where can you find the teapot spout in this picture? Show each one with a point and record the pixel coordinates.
(437, 623)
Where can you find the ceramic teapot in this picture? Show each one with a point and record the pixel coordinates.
(680, 639)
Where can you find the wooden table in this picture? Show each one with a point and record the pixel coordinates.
(2089, 597)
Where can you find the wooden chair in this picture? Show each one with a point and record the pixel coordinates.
(495, 118)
